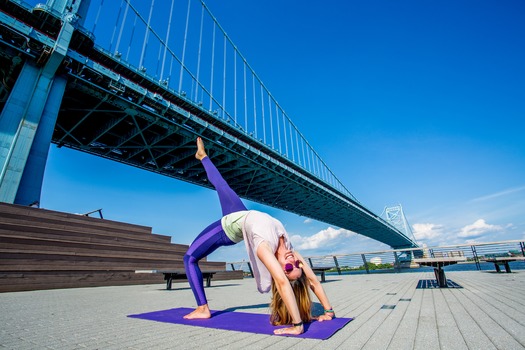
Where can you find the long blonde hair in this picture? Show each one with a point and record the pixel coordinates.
(301, 290)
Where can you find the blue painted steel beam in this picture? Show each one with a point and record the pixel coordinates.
(30, 186)
(18, 122)
(28, 118)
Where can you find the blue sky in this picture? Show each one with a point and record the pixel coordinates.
(418, 103)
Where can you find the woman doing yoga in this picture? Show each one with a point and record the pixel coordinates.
(276, 266)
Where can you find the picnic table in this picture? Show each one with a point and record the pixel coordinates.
(170, 275)
(503, 260)
(438, 264)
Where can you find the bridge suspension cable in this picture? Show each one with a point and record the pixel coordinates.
(184, 45)
(237, 95)
(168, 30)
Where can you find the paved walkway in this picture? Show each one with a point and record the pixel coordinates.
(390, 313)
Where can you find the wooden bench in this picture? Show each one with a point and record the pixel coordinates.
(438, 264)
(321, 271)
(503, 260)
(170, 275)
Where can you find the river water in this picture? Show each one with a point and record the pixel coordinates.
(484, 266)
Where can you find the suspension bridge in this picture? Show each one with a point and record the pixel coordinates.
(136, 82)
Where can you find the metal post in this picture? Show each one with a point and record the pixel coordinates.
(337, 265)
(397, 265)
(250, 267)
(365, 263)
(475, 255)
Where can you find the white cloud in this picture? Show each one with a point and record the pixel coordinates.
(477, 229)
(322, 239)
(307, 221)
(427, 231)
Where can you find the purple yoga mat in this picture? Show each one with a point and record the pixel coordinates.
(243, 322)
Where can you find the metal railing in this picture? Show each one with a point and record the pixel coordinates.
(400, 260)
(99, 211)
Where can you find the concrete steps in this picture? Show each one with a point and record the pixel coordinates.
(44, 249)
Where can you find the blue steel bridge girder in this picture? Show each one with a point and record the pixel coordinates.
(28, 116)
(272, 187)
(114, 111)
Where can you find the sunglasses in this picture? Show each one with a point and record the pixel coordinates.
(289, 267)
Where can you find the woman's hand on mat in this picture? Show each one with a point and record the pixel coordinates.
(296, 330)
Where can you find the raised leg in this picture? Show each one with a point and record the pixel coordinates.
(230, 201)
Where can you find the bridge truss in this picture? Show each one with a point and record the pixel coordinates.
(116, 111)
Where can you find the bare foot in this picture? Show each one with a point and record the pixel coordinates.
(201, 152)
(200, 312)
(290, 330)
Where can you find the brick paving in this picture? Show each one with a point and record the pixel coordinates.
(389, 311)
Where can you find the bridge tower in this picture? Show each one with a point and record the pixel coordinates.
(395, 216)
(29, 115)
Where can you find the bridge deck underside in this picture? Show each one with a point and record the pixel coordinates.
(149, 127)
(101, 122)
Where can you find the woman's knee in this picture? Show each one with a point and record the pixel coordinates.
(189, 260)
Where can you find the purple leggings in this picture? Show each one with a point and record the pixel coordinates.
(213, 236)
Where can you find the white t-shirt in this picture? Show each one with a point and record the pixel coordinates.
(259, 227)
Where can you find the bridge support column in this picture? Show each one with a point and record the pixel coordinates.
(31, 182)
(29, 116)
(27, 123)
